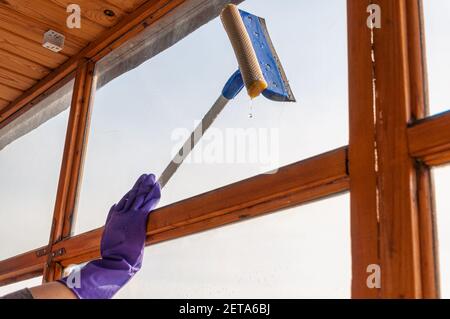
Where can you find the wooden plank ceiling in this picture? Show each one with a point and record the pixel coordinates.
(23, 60)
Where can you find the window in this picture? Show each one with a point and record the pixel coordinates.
(442, 188)
(136, 116)
(29, 173)
(301, 252)
(437, 32)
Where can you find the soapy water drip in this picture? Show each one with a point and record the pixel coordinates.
(250, 114)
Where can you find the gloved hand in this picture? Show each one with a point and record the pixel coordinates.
(122, 244)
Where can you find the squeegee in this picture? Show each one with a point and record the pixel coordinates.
(260, 71)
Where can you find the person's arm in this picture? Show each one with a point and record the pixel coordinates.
(121, 247)
(52, 290)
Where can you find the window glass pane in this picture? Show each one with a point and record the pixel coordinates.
(302, 252)
(29, 173)
(29, 283)
(442, 189)
(437, 32)
(139, 118)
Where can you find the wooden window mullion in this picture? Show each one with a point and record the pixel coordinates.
(391, 195)
(362, 160)
(73, 156)
(419, 110)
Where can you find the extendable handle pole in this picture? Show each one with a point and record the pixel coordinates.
(196, 135)
(234, 85)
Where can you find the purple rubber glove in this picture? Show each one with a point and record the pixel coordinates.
(122, 244)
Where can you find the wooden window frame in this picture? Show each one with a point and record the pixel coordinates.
(393, 229)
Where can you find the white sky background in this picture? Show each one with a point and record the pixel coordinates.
(301, 252)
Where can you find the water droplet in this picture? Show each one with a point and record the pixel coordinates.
(256, 34)
(268, 67)
(250, 113)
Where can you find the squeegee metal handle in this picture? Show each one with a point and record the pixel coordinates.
(189, 145)
(232, 88)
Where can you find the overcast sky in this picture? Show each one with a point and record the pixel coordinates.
(301, 252)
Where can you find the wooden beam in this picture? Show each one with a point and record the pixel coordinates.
(74, 148)
(391, 202)
(158, 9)
(15, 80)
(8, 93)
(29, 274)
(127, 5)
(428, 233)
(397, 184)
(143, 17)
(419, 110)
(3, 103)
(86, 94)
(25, 48)
(23, 66)
(292, 185)
(429, 140)
(39, 99)
(33, 29)
(54, 16)
(24, 266)
(311, 179)
(362, 156)
(93, 11)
